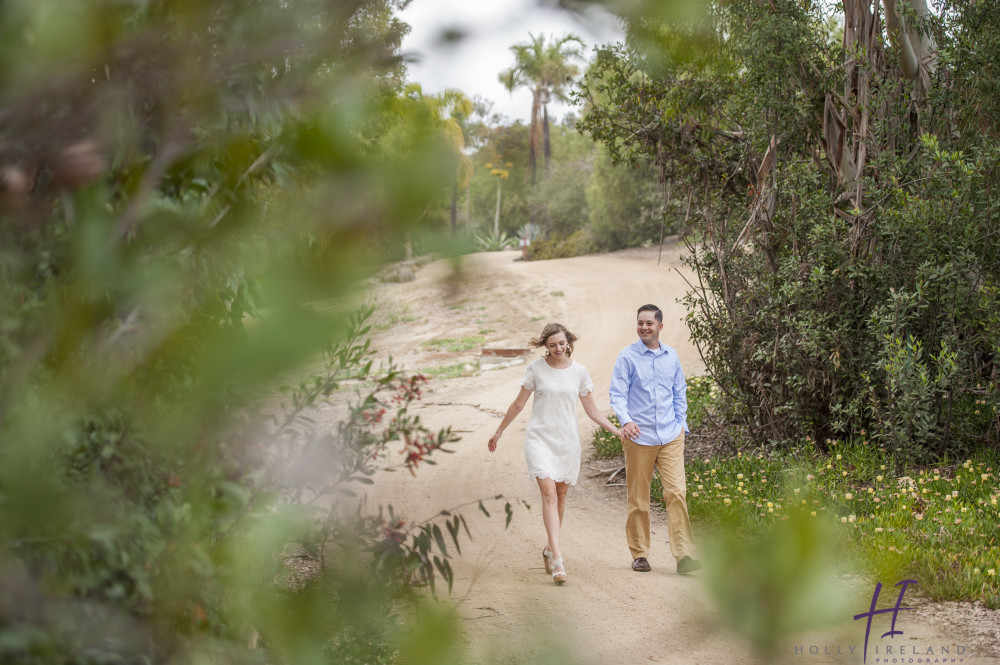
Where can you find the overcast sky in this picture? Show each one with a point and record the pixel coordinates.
(490, 27)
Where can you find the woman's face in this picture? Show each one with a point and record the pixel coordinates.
(556, 345)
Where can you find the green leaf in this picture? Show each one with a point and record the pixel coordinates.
(439, 538)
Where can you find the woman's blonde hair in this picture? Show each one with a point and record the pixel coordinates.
(551, 329)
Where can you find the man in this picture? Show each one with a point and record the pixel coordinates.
(649, 395)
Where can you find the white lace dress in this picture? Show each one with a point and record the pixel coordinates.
(552, 442)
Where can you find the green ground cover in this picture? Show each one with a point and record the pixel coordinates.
(939, 525)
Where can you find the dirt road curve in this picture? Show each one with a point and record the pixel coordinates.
(511, 611)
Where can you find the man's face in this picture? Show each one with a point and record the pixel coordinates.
(648, 328)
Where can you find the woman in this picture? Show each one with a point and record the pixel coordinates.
(552, 442)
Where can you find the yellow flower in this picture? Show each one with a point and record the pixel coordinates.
(770, 510)
(882, 467)
(770, 505)
(848, 496)
(878, 479)
(727, 501)
(839, 456)
(985, 476)
(851, 518)
(843, 520)
(739, 476)
(878, 529)
(813, 513)
(796, 490)
(991, 572)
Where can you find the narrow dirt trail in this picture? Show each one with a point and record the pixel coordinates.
(510, 610)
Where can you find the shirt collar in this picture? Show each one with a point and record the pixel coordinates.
(642, 349)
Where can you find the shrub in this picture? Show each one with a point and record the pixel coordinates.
(555, 247)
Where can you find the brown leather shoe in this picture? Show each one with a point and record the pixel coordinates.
(640, 565)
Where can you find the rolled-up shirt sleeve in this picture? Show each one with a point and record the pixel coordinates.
(680, 399)
(620, 380)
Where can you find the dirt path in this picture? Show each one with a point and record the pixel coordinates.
(511, 611)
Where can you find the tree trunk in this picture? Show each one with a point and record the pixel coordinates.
(468, 204)
(546, 146)
(454, 207)
(496, 217)
(533, 133)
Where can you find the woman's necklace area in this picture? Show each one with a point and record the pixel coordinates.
(548, 362)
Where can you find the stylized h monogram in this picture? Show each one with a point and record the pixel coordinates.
(895, 612)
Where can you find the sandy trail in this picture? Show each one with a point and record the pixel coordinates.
(511, 611)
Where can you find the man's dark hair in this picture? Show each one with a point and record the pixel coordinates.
(651, 308)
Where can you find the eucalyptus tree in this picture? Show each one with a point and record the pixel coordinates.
(842, 193)
(546, 66)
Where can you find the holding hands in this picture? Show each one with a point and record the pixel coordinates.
(630, 430)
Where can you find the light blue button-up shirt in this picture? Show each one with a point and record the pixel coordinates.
(648, 389)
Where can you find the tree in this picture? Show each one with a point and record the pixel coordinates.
(180, 185)
(458, 109)
(846, 250)
(546, 67)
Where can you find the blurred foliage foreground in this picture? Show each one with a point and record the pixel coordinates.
(178, 183)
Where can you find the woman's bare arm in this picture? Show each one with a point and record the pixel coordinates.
(515, 408)
(590, 406)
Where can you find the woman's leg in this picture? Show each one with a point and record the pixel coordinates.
(561, 489)
(551, 516)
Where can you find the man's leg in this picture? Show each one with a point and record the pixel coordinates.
(670, 462)
(639, 461)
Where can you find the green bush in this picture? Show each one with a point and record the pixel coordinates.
(578, 243)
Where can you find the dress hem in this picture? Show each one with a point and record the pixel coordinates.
(535, 476)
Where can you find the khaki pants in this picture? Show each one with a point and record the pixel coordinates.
(639, 462)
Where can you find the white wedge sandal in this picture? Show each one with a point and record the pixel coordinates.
(558, 571)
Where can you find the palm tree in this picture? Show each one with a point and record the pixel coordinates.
(456, 109)
(547, 67)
